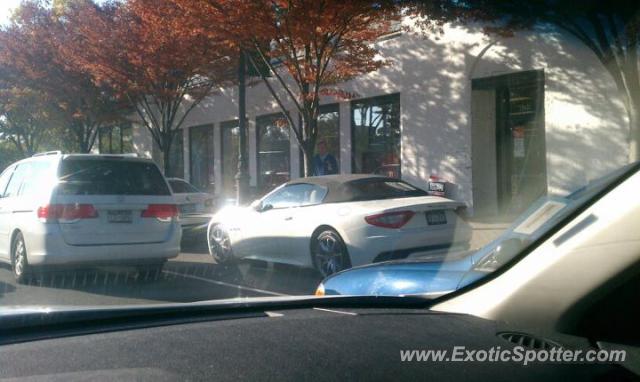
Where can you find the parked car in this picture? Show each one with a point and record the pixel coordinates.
(435, 275)
(85, 209)
(337, 221)
(195, 206)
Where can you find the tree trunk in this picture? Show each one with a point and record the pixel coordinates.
(307, 157)
(242, 176)
(310, 133)
(167, 140)
(166, 162)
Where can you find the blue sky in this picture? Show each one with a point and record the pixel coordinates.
(5, 9)
(7, 5)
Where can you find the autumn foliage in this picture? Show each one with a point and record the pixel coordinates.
(33, 63)
(152, 55)
(309, 47)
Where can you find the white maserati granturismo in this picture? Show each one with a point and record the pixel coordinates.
(334, 222)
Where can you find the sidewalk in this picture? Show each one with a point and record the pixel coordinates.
(483, 232)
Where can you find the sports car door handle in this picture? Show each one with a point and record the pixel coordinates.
(288, 218)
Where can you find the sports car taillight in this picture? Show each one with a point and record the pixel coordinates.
(53, 212)
(390, 219)
(162, 212)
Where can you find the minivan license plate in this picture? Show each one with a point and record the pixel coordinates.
(119, 216)
(436, 217)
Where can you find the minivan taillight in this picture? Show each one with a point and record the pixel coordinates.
(162, 212)
(68, 212)
(390, 219)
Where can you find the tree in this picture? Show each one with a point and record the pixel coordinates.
(152, 56)
(8, 154)
(30, 50)
(309, 47)
(26, 116)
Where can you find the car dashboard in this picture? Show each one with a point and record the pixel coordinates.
(321, 342)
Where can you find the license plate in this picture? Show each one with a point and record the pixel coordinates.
(119, 216)
(188, 208)
(436, 217)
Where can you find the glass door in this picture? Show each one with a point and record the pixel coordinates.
(520, 141)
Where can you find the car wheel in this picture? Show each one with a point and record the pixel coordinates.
(220, 245)
(19, 263)
(329, 253)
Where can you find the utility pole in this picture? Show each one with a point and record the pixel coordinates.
(242, 176)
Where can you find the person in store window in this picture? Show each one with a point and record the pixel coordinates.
(323, 162)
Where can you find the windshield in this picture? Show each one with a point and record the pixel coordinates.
(332, 137)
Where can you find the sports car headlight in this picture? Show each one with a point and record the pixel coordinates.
(320, 290)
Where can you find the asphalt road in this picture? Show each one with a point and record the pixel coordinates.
(192, 276)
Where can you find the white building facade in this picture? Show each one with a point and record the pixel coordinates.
(505, 120)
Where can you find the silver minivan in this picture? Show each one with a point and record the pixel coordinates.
(79, 209)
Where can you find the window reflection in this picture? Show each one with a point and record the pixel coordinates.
(176, 158)
(115, 140)
(273, 151)
(329, 137)
(376, 135)
(201, 157)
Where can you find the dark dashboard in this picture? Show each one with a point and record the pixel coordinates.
(294, 344)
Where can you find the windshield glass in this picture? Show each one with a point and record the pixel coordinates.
(325, 139)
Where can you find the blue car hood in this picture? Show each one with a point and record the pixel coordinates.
(399, 278)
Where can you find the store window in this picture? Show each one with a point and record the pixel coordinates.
(230, 142)
(376, 135)
(272, 136)
(115, 140)
(329, 137)
(176, 156)
(201, 157)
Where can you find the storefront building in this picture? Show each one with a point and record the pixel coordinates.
(505, 120)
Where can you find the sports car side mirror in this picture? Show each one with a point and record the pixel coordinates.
(266, 207)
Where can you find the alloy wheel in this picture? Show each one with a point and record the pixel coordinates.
(329, 253)
(19, 262)
(20, 258)
(220, 244)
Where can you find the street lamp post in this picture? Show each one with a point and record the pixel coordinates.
(242, 176)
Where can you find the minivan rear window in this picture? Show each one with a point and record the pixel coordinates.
(110, 177)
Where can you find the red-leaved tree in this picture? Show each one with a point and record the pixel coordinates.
(309, 47)
(150, 54)
(32, 59)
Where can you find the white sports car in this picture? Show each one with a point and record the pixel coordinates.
(334, 222)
